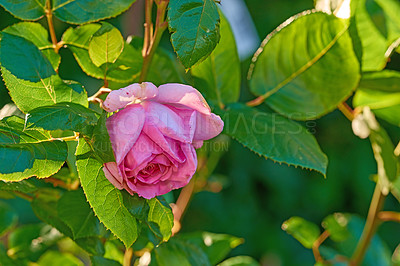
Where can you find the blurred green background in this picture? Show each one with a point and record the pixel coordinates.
(258, 195)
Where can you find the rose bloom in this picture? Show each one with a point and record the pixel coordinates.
(154, 136)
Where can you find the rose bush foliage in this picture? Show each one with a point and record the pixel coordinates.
(104, 172)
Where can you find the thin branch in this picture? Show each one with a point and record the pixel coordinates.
(23, 196)
(370, 227)
(128, 257)
(152, 39)
(181, 204)
(256, 101)
(49, 16)
(387, 216)
(316, 244)
(346, 110)
(95, 97)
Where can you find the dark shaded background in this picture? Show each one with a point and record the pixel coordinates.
(259, 195)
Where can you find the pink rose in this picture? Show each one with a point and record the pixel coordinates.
(154, 136)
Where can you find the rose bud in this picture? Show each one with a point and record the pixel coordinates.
(154, 135)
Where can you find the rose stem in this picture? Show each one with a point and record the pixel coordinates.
(152, 40)
(370, 227)
(181, 205)
(317, 243)
(346, 110)
(389, 216)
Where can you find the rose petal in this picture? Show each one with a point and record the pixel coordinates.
(208, 126)
(167, 121)
(124, 129)
(187, 169)
(131, 94)
(111, 172)
(169, 146)
(180, 95)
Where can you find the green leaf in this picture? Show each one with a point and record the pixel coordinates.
(25, 9)
(100, 140)
(194, 25)
(8, 218)
(63, 116)
(304, 231)
(30, 77)
(106, 45)
(24, 186)
(75, 211)
(57, 258)
(178, 252)
(160, 218)
(84, 11)
(100, 261)
(377, 27)
(336, 225)
(306, 67)
(4, 258)
(274, 137)
(23, 59)
(28, 152)
(39, 36)
(239, 261)
(105, 199)
(216, 246)
(45, 206)
(381, 92)
(30, 241)
(218, 76)
(125, 69)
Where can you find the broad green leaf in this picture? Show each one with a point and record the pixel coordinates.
(395, 189)
(304, 231)
(45, 206)
(105, 199)
(57, 258)
(8, 217)
(218, 76)
(274, 137)
(75, 211)
(179, 252)
(396, 256)
(23, 59)
(216, 246)
(24, 186)
(30, 77)
(336, 225)
(39, 36)
(25, 9)
(125, 69)
(31, 241)
(239, 261)
(380, 91)
(99, 140)
(306, 67)
(28, 152)
(63, 116)
(114, 250)
(377, 27)
(29, 95)
(160, 218)
(100, 261)
(84, 11)
(106, 45)
(194, 25)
